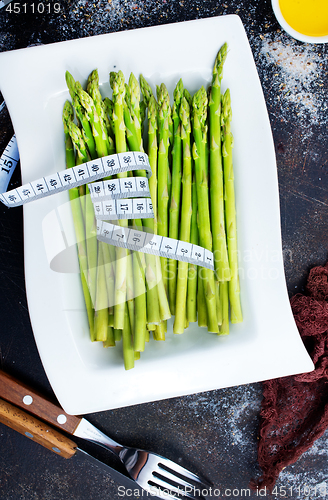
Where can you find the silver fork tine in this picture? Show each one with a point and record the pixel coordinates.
(168, 487)
(172, 477)
(180, 470)
(139, 464)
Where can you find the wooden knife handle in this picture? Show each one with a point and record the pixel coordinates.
(36, 430)
(33, 402)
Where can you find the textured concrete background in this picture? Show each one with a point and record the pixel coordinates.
(213, 432)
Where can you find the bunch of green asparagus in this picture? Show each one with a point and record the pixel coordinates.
(130, 294)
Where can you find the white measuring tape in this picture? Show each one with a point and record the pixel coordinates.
(141, 241)
(119, 188)
(123, 198)
(112, 198)
(8, 162)
(76, 176)
(136, 208)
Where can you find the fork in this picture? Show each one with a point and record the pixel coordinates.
(156, 474)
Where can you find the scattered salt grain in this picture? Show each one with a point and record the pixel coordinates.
(292, 75)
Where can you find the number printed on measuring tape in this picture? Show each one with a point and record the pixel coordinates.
(127, 187)
(140, 241)
(77, 176)
(124, 209)
(8, 162)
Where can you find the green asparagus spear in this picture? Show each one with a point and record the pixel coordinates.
(165, 312)
(98, 130)
(199, 104)
(81, 115)
(68, 117)
(130, 289)
(109, 264)
(132, 117)
(101, 301)
(174, 210)
(201, 299)
(78, 218)
(164, 114)
(132, 121)
(104, 122)
(192, 268)
(145, 90)
(118, 86)
(224, 300)
(87, 209)
(140, 301)
(230, 209)
(108, 107)
(152, 154)
(186, 211)
(79, 143)
(216, 174)
(128, 350)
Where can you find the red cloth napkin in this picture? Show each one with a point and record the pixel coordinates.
(294, 411)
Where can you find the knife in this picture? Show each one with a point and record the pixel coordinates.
(57, 442)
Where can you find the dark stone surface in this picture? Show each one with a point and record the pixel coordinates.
(214, 432)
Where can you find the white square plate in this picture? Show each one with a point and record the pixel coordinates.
(86, 377)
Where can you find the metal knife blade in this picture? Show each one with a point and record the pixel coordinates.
(126, 487)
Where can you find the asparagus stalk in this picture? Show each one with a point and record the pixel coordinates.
(224, 300)
(192, 268)
(153, 153)
(130, 292)
(143, 113)
(220, 251)
(201, 299)
(90, 222)
(175, 194)
(101, 300)
(98, 129)
(186, 211)
(230, 209)
(132, 117)
(90, 226)
(108, 107)
(68, 117)
(78, 141)
(104, 123)
(77, 215)
(81, 115)
(128, 350)
(165, 312)
(134, 88)
(140, 302)
(147, 93)
(145, 90)
(117, 334)
(160, 331)
(109, 263)
(117, 84)
(199, 104)
(164, 114)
